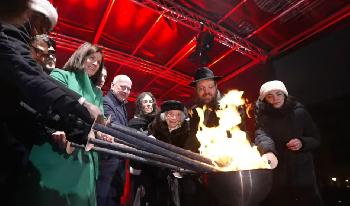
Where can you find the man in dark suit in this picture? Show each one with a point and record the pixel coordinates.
(111, 178)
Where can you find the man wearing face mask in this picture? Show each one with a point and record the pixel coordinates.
(112, 170)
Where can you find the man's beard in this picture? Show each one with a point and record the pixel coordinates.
(211, 104)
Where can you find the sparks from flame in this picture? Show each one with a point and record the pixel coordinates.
(226, 144)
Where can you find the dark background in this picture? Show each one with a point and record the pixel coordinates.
(317, 74)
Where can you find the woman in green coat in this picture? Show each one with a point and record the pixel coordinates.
(70, 179)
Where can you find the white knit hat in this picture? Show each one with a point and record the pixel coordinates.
(46, 8)
(272, 85)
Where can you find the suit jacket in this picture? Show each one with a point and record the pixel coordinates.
(116, 109)
(112, 170)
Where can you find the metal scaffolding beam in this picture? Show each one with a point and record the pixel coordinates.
(187, 18)
(70, 43)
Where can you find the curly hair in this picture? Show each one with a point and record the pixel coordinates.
(138, 111)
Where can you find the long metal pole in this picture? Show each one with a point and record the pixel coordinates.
(162, 144)
(147, 146)
(144, 154)
(133, 157)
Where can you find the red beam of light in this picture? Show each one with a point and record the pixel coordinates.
(231, 12)
(103, 22)
(337, 17)
(238, 71)
(222, 56)
(176, 58)
(146, 35)
(191, 45)
(125, 14)
(71, 25)
(275, 18)
(214, 62)
(192, 20)
(127, 59)
(169, 90)
(140, 43)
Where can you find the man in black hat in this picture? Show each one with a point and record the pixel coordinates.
(208, 96)
(205, 82)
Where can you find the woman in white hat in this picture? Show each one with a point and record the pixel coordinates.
(285, 128)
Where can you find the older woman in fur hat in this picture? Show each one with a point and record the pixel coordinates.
(170, 126)
(285, 128)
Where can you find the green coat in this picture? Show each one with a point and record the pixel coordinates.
(72, 178)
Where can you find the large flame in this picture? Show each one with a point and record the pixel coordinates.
(226, 144)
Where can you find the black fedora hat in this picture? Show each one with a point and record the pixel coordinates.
(202, 74)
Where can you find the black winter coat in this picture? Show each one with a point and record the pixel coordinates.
(177, 137)
(22, 79)
(275, 127)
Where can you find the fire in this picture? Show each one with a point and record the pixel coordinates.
(226, 144)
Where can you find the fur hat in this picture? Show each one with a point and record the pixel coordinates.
(272, 85)
(172, 105)
(202, 74)
(45, 7)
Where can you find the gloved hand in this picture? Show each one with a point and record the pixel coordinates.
(271, 159)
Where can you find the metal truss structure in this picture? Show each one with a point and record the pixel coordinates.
(70, 43)
(187, 18)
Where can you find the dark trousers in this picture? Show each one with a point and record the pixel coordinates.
(110, 182)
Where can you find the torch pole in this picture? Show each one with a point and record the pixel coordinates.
(133, 157)
(197, 166)
(162, 144)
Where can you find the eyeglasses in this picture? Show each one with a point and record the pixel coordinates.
(173, 115)
(123, 88)
(40, 52)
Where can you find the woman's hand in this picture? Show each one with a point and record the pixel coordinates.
(294, 144)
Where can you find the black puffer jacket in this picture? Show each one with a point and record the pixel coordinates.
(275, 127)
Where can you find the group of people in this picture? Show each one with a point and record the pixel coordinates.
(48, 108)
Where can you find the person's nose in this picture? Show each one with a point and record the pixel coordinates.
(273, 98)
